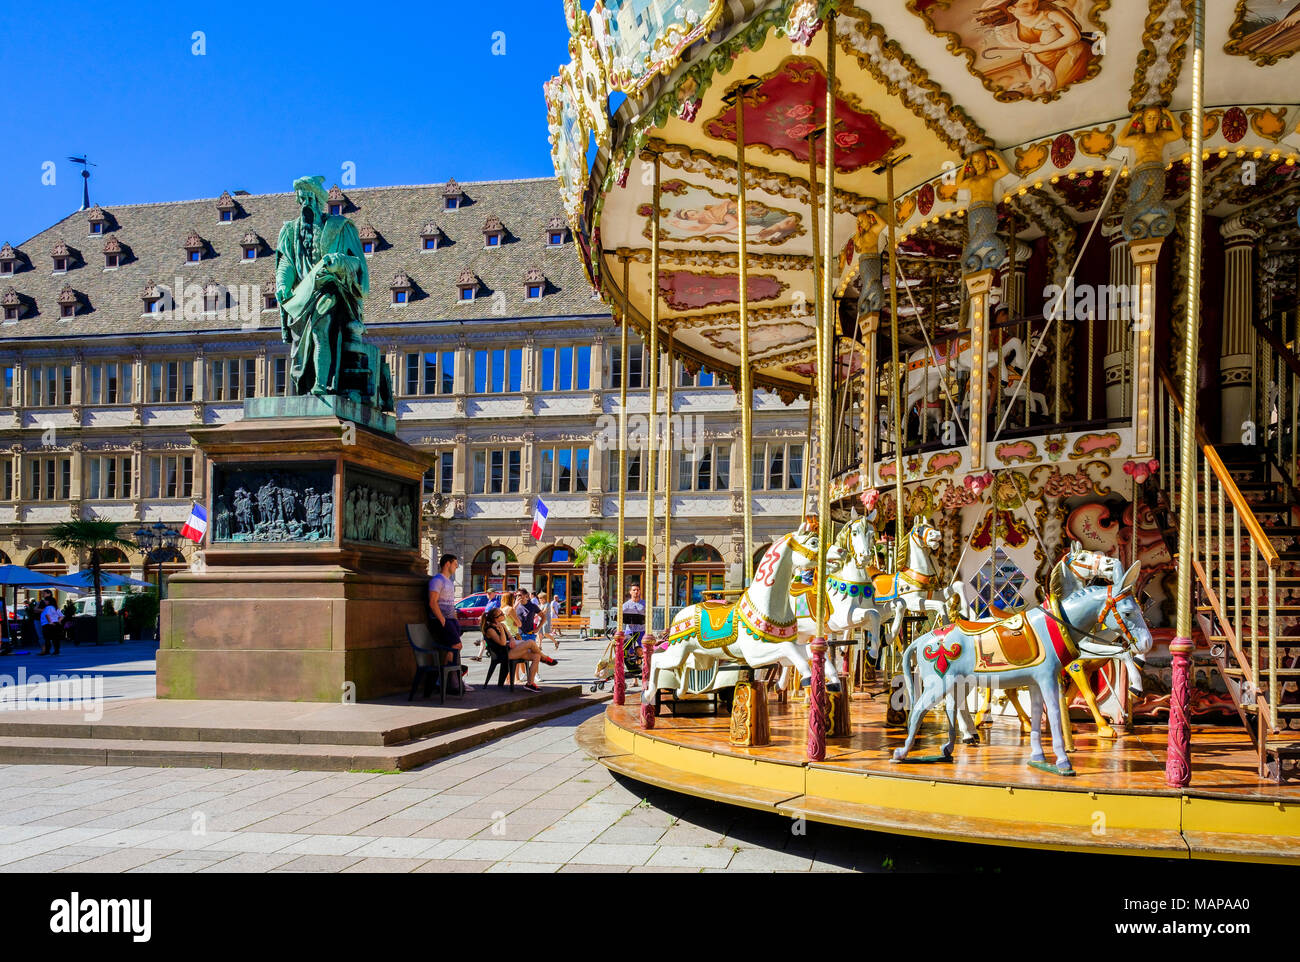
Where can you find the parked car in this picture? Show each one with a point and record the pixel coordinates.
(86, 605)
(469, 611)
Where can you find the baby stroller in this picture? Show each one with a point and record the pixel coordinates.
(631, 659)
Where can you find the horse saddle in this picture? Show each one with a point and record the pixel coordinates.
(1003, 643)
(801, 599)
(716, 624)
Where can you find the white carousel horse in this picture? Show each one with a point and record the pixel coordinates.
(912, 589)
(757, 630)
(928, 372)
(1030, 649)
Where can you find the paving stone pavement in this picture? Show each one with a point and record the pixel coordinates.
(530, 802)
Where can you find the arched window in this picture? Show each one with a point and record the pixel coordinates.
(494, 567)
(556, 573)
(4, 559)
(633, 574)
(114, 561)
(698, 568)
(47, 561)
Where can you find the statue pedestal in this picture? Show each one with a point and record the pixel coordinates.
(310, 570)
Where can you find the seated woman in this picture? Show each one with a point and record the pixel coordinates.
(499, 641)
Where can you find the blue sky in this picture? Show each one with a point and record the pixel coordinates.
(411, 93)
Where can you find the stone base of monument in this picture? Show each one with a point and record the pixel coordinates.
(311, 567)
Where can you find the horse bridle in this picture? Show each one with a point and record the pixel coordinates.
(797, 547)
(1112, 604)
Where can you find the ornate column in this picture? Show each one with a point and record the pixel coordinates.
(978, 286)
(1115, 375)
(871, 301)
(1237, 347)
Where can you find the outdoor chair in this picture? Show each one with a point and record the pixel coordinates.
(500, 655)
(429, 663)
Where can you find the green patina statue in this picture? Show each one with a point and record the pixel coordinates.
(320, 279)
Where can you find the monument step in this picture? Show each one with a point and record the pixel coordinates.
(384, 722)
(301, 756)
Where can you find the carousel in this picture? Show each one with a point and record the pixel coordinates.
(1033, 265)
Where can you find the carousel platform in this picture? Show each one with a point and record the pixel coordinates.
(1117, 803)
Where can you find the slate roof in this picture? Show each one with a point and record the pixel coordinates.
(154, 237)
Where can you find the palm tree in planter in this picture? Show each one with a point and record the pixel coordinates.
(600, 547)
(93, 536)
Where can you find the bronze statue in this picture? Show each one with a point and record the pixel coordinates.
(320, 278)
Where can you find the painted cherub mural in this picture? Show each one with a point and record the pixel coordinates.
(695, 213)
(1022, 49)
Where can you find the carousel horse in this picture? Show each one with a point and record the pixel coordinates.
(757, 630)
(928, 375)
(1028, 650)
(913, 587)
(1080, 567)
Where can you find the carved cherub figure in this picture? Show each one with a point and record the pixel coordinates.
(982, 170)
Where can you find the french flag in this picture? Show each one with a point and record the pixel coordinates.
(197, 526)
(539, 519)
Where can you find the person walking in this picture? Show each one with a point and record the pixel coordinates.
(443, 625)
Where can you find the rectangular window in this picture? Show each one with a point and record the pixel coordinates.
(706, 468)
(635, 356)
(437, 480)
(422, 375)
(565, 470)
(109, 477)
(497, 471)
(566, 368)
(281, 376)
(49, 384)
(633, 470)
(7, 479)
(778, 467)
(7, 386)
(703, 379)
(498, 371)
(171, 382)
(171, 476)
(794, 464)
(49, 479)
(233, 379)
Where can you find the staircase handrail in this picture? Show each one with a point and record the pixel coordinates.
(1212, 458)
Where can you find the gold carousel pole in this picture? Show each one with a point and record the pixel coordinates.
(622, 441)
(620, 682)
(817, 306)
(1178, 761)
(818, 713)
(651, 461)
(746, 375)
(900, 416)
(668, 486)
(652, 447)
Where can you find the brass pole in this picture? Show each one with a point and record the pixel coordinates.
(746, 374)
(652, 447)
(900, 417)
(824, 360)
(1178, 768)
(622, 440)
(668, 483)
(813, 398)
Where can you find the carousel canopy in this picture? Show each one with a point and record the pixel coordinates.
(1026, 101)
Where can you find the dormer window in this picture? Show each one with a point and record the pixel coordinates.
(194, 245)
(556, 232)
(68, 301)
(431, 236)
(153, 298)
(468, 285)
(494, 232)
(452, 196)
(338, 201)
(251, 244)
(13, 305)
(112, 254)
(8, 260)
(369, 238)
(401, 288)
(96, 220)
(214, 297)
(534, 284)
(269, 303)
(61, 254)
(226, 207)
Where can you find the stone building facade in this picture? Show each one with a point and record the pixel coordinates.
(124, 327)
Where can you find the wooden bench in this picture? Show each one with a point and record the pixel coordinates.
(562, 623)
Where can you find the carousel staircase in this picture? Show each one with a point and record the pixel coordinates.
(1246, 584)
(1264, 693)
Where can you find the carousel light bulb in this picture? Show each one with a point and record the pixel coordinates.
(1241, 152)
(1056, 178)
(1290, 160)
(1274, 156)
(1090, 172)
(1223, 153)
(1071, 175)
(1022, 191)
(1205, 155)
(1038, 185)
